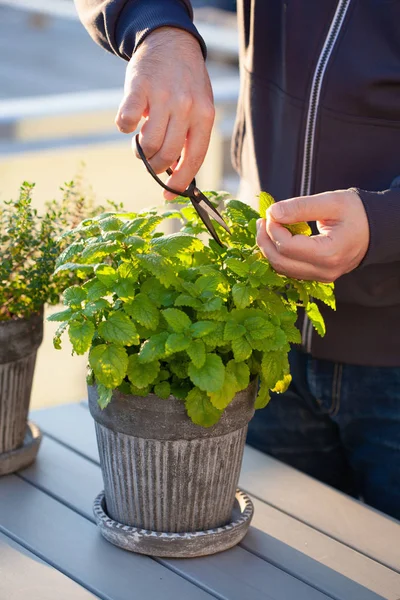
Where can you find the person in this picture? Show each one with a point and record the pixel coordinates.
(318, 126)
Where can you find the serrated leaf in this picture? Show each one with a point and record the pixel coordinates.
(97, 251)
(135, 243)
(173, 244)
(272, 367)
(109, 363)
(159, 267)
(216, 337)
(241, 349)
(263, 396)
(110, 223)
(63, 315)
(225, 396)
(177, 320)
(283, 384)
(106, 274)
(150, 223)
(214, 305)
(266, 200)
(233, 331)
(95, 289)
(293, 335)
(104, 395)
(200, 409)
(70, 266)
(239, 212)
(209, 377)
(153, 348)
(57, 336)
(72, 251)
(241, 372)
(125, 290)
(128, 271)
(80, 335)
(202, 328)
(239, 267)
(177, 342)
(162, 390)
(299, 229)
(74, 296)
(210, 283)
(197, 353)
(242, 295)
(316, 318)
(259, 328)
(187, 300)
(119, 329)
(142, 374)
(144, 311)
(93, 308)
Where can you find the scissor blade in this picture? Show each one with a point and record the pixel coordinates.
(203, 202)
(207, 222)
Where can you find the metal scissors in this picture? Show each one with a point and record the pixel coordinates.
(201, 203)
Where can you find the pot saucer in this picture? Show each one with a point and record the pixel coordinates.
(176, 545)
(14, 460)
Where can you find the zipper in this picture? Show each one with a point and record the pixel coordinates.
(312, 115)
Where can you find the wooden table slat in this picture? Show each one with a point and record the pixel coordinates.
(75, 547)
(234, 575)
(297, 548)
(23, 575)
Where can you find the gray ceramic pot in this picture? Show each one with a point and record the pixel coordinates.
(163, 473)
(19, 341)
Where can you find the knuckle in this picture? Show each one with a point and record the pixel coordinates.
(166, 157)
(207, 112)
(184, 103)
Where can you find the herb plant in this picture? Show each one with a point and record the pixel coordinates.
(172, 314)
(29, 247)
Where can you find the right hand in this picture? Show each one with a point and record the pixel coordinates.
(167, 83)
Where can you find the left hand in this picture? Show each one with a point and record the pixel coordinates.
(339, 248)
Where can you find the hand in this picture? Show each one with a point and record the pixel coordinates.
(339, 248)
(167, 83)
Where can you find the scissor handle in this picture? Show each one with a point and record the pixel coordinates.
(188, 193)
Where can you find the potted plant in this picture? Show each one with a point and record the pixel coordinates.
(185, 340)
(29, 247)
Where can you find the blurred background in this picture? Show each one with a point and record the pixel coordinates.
(59, 93)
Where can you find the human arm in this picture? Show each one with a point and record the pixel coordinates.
(166, 80)
(356, 228)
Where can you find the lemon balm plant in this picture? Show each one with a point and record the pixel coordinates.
(179, 326)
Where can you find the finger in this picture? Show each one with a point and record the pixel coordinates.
(319, 207)
(195, 150)
(287, 266)
(153, 131)
(172, 145)
(317, 250)
(131, 110)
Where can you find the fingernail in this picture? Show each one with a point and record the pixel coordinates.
(168, 196)
(276, 211)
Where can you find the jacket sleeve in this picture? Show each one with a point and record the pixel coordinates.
(120, 26)
(383, 213)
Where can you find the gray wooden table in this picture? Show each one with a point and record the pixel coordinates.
(307, 541)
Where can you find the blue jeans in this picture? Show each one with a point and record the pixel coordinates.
(340, 424)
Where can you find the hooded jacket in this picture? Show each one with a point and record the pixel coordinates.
(319, 110)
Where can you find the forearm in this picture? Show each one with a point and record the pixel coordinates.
(383, 213)
(120, 26)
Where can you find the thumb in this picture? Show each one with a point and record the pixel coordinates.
(318, 207)
(131, 110)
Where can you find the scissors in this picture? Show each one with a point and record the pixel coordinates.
(201, 203)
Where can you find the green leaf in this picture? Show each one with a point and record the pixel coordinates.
(187, 300)
(213, 305)
(242, 295)
(177, 320)
(80, 335)
(226, 394)
(128, 271)
(241, 372)
(119, 329)
(283, 384)
(105, 395)
(110, 224)
(238, 267)
(63, 315)
(160, 268)
(153, 348)
(94, 308)
(299, 229)
(70, 266)
(272, 367)
(210, 283)
(97, 251)
(142, 374)
(241, 349)
(177, 342)
(162, 390)
(144, 311)
(316, 318)
(95, 289)
(266, 200)
(209, 377)
(175, 243)
(74, 296)
(109, 363)
(240, 212)
(259, 328)
(135, 243)
(106, 274)
(200, 409)
(72, 251)
(197, 353)
(58, 334)
(125, 290)
(215, 337)
(202, 328)
(233, 331)
(263, 396)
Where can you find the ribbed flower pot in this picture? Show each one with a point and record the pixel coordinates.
(170, 486)
(19, 341)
